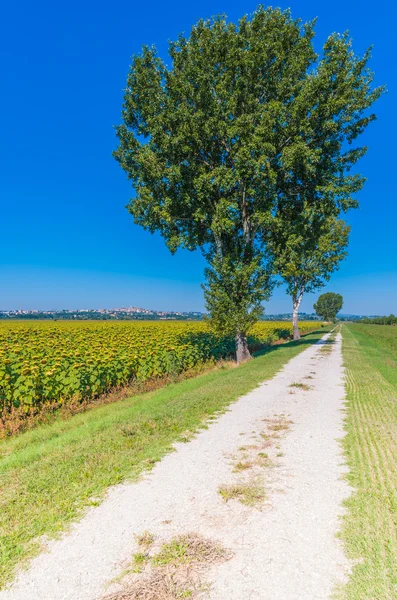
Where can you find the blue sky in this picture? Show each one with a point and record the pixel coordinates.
(66, 239)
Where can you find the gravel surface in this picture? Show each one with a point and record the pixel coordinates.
(285, 549)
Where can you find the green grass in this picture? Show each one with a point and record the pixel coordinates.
(250, 494)
(370, 525)
(189, 549)
(50, 474)
(302, 386)
(139, 561)
(174, 552)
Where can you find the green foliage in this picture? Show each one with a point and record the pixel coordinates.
(390, 320)
(44, 363)
(328, 305)
(307, 248)
(234, 294)
(246, 122)
(200, 139)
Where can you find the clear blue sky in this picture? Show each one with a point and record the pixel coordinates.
(66, 238)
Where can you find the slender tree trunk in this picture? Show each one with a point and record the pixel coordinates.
(296, 300)
(218, 245)
(242, 352)
(248, 232)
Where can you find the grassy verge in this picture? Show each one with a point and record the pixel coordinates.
(49, 474)
(370, 525)
(19, 420)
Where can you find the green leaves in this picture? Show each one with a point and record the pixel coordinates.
(66, 361)
(242, 147)
(307, 248)
(234, 294)
(211, 124)
(328, 305)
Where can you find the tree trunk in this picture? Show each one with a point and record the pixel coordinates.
(296, 300)
(218, 245)
(242, 352)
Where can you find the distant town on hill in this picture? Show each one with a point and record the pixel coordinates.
(133, 313)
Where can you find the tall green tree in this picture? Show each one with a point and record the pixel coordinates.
(242, 115)
(328, 305)
(315, 184)
(307, 249)
(200, 138)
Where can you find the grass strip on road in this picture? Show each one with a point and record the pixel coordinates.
(48, 475)
(370, 525)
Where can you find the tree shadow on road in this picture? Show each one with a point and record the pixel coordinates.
(304, 341)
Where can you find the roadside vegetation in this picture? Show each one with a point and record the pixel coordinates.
(390, 320)
(370, 525)
(49, 367)
(48, 475)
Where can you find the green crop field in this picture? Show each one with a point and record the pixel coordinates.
(370, 526)
(43, 363)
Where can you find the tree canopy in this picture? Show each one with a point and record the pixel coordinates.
(328, 305)
(234, 294)
(307, 248)
(245, 119)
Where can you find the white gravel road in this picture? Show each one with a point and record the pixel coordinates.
(287, 550)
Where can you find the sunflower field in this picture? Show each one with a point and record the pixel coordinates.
(55, 362)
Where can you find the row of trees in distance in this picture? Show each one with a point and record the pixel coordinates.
(390, 320)
(243, 147)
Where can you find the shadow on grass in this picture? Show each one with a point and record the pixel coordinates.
(218, 347)
(304, 341)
